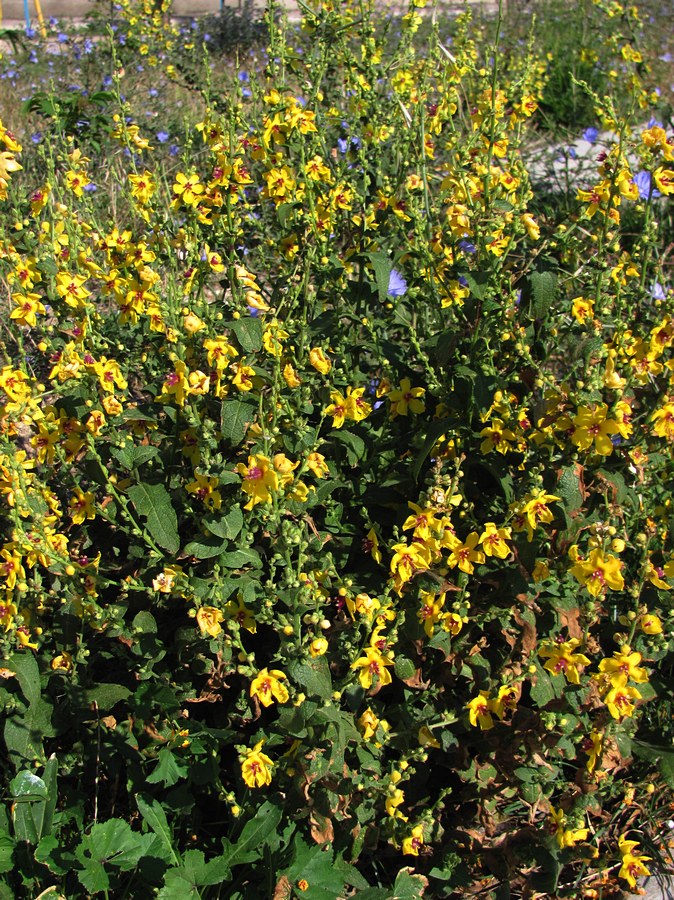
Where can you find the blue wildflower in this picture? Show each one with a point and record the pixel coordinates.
(643, 182)
(397, 286)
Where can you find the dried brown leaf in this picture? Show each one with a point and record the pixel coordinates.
(283, 889)
(321, 828)
(570, 619)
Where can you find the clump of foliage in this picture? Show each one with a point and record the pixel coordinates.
(336, 485)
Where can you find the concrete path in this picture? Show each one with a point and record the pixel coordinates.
(13, 10)
(661, 888)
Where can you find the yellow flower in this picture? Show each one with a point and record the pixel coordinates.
(337, 409)
(371, 545)
(566, 837)
(408, 560)
(204, 487)
(591, 427)
(393, 801)
(62, 662)
(650, 624)
(414, 841)
(593, 746)
(599, 572)
(290, 376)
(243, 377)
(319, 360)
(256, 767)
(317, 465)
(430, 612)
(165, 580)
(479, 712)
(619, 698)
(82, 506)
(236, 609)
(463, 554)
(318, 647)
(664, 421)
(562, 659)
(268, 686)
(208, 620)
(624, 663)
(259, 479)
(357, 408)
(426, 738)
(632, 866)
(496, 437)
(367, 723)
(494, 539)
(531, 226)
(405, 399)
(505, 701)
(373, 665)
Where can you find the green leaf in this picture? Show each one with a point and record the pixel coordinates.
(182, 882)
(132, 457)
(433, 433)
(113, 843)
(168, 770)
(403, 667)
(229, 526)
(154, 503)
(409, 886)
(254, 834)
(478, 283)
(568, 488)
(34, 802)
(144, 622)
(105, 696)
(248, 331)
(546, 688)
(23, 734)
(28, 787)
(235, 417)
(314, 676)
(27, 673)
(204, 549)
(382, 266)
(155, 817)
(237, 559)
(355, 446)
(539, 292)
(663, 756)
(7, 844)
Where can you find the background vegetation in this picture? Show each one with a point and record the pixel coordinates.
(336, 454)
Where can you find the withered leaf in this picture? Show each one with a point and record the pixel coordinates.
(283, 889)
(321, 828)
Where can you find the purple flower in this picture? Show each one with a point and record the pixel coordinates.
(643, 182)
(397, 286)
(91, 188)
(163, 136)
(36, 138)
(591, 134)
(62, 38)
(657, 291)
(467, 247)
(243, 76)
